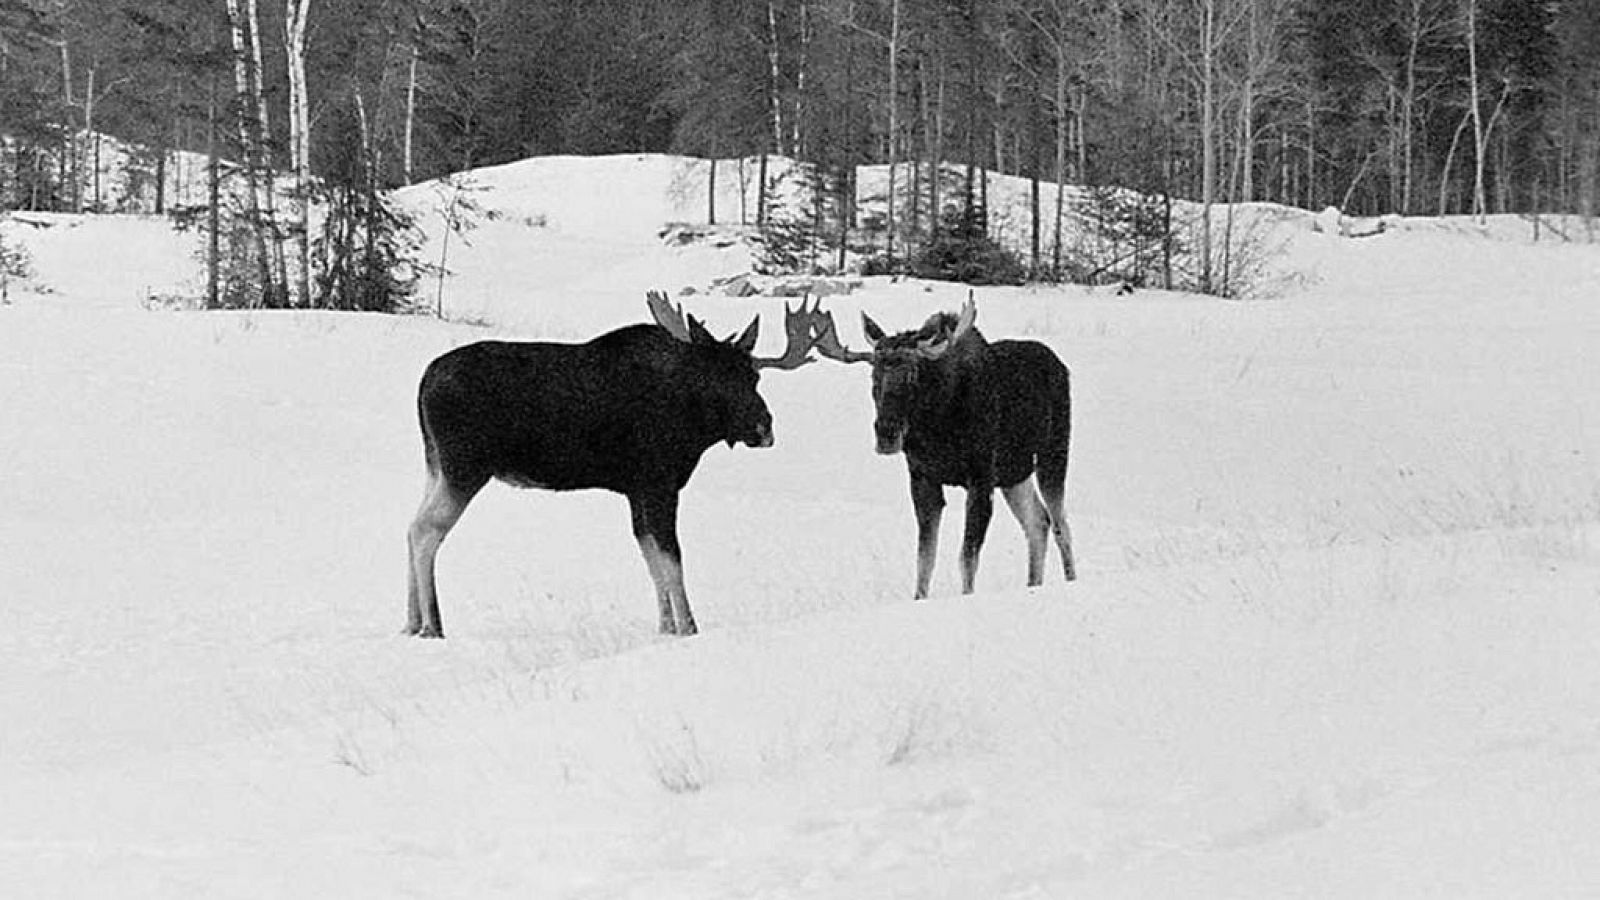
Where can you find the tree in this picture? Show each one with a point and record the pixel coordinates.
(251, 119)
(1576, 82)
(294, 43)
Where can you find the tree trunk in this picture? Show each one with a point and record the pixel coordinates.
(1208, 143)
(796, 137)
(1479, 136)
(248, 146)
(300, 140)
(94, 143)
(279, 283)
(1247, 142)
(761, 191)
(711, 193)
(894, 120)
(1408, 102)
(1311, 157)
(1062, 136)
(214, 206)
(411, 116)
(970, 16)
(1444, 176)
(774, 88)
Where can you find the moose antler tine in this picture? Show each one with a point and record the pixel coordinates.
(667, 315)
(826, 339)
(964, 322)
(798, 341)
(698, 332)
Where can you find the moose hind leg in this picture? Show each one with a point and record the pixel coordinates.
(1053, 485)
(442, 506)
(1024, 503)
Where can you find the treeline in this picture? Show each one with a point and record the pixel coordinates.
(1376, 106)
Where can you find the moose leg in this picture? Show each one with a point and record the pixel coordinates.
(1053, 485)
(442, 506)
(980, 508)
(655, 527)
(1026, 506)
(927, 498)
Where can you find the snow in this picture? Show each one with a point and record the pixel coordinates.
(1335, 632)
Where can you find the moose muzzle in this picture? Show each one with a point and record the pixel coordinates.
(761, 436)
(891, 438)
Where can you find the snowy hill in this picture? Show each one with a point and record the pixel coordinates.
(1335, 631)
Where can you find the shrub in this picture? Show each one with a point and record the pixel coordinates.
(1130, 238)
(15, 263)
(368, 255)
(961, 250)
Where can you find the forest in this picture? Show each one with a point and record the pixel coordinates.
(1414, 107)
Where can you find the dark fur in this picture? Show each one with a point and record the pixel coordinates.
(631, 411)
(981, 416)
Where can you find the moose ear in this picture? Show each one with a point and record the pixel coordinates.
(746, 341)
(870, 328)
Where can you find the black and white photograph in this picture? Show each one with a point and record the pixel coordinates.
(799, 449)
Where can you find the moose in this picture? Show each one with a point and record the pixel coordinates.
(631, 411)
(972, 414)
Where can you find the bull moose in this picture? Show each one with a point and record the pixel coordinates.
(631, 411)
(972, 414)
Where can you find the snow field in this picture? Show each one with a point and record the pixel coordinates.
(1334, 635)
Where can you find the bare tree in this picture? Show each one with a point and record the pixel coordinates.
(892, 44)
(1424, 20)
(294, 33)
(1197, 32)
(247, 89)
(1479, 133)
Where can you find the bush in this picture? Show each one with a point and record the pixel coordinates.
(882, 264)
(1131, 238)
(367, 258)
(787, 243)
(15, 263)
(962, 251)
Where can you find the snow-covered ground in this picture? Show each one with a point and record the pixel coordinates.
(1336, 633)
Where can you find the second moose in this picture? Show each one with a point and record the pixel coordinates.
(971, 414)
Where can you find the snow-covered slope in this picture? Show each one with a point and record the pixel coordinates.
(1335, 632)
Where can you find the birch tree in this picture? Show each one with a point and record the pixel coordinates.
(294, 43)
(1479, 134)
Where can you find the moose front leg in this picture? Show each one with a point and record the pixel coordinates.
(980, 508)
(927, 498)
(655, 527)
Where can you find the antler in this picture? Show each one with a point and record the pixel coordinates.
(935, 346)
(826, 339)
(667, 315)
(797, 324)
(797, 329)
